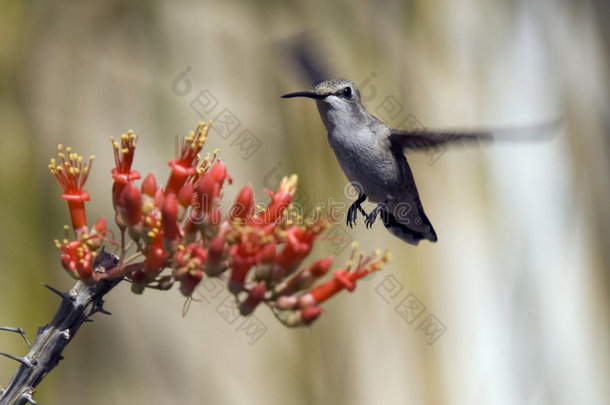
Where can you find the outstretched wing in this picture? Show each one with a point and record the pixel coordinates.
(422, 139)
(425, 138)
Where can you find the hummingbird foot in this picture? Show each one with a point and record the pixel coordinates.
(372, 217)
(352, 212)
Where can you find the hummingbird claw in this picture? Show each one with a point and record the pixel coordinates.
(372, 217)
(352, 212)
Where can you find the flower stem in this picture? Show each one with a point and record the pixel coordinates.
(77, 305)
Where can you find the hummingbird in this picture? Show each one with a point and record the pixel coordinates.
(371, 154)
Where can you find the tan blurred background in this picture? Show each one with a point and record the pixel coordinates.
(513, 299)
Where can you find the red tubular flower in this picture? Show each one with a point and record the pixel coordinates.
(209, 187)
(299, 242)
(208, 195)
(343, 279)
(123, 159)
(180, 227)
(280, 201)
(72, 174)
(186, 165)
(243, 207)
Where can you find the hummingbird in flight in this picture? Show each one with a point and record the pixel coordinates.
(371, 154)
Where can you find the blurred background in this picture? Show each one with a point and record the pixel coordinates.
(511, 306)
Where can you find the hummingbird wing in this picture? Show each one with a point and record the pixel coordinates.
(424, 138)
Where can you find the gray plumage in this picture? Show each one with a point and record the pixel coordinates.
(372, 156)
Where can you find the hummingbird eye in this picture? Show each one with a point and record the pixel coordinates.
(347, 92)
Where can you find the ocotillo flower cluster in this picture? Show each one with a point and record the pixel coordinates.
(176, 233)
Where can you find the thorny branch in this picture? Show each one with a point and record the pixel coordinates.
(76, 307)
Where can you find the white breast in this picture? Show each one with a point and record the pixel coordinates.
(367, 162)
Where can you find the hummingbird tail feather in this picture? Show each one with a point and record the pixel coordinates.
(411, 228)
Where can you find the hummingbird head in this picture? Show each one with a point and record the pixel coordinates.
(331, 91)
(338, 101)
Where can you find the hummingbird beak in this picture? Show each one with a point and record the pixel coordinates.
(309, 94)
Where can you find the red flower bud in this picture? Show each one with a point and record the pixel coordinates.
(321, 267)
(185, 195)
(256, 296)
(286, 302)
(158, 196)
(243, 207)
(306, 277)
(215, 217)
(219, 173)
(239, 270)
(149, 185)
(308, 315)
(100, 226)
(304, 316)
(216, 250)
(138, 281)
(97, 234)
(155, 257)
(131, 201)
(190, 281)
(169, 218)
